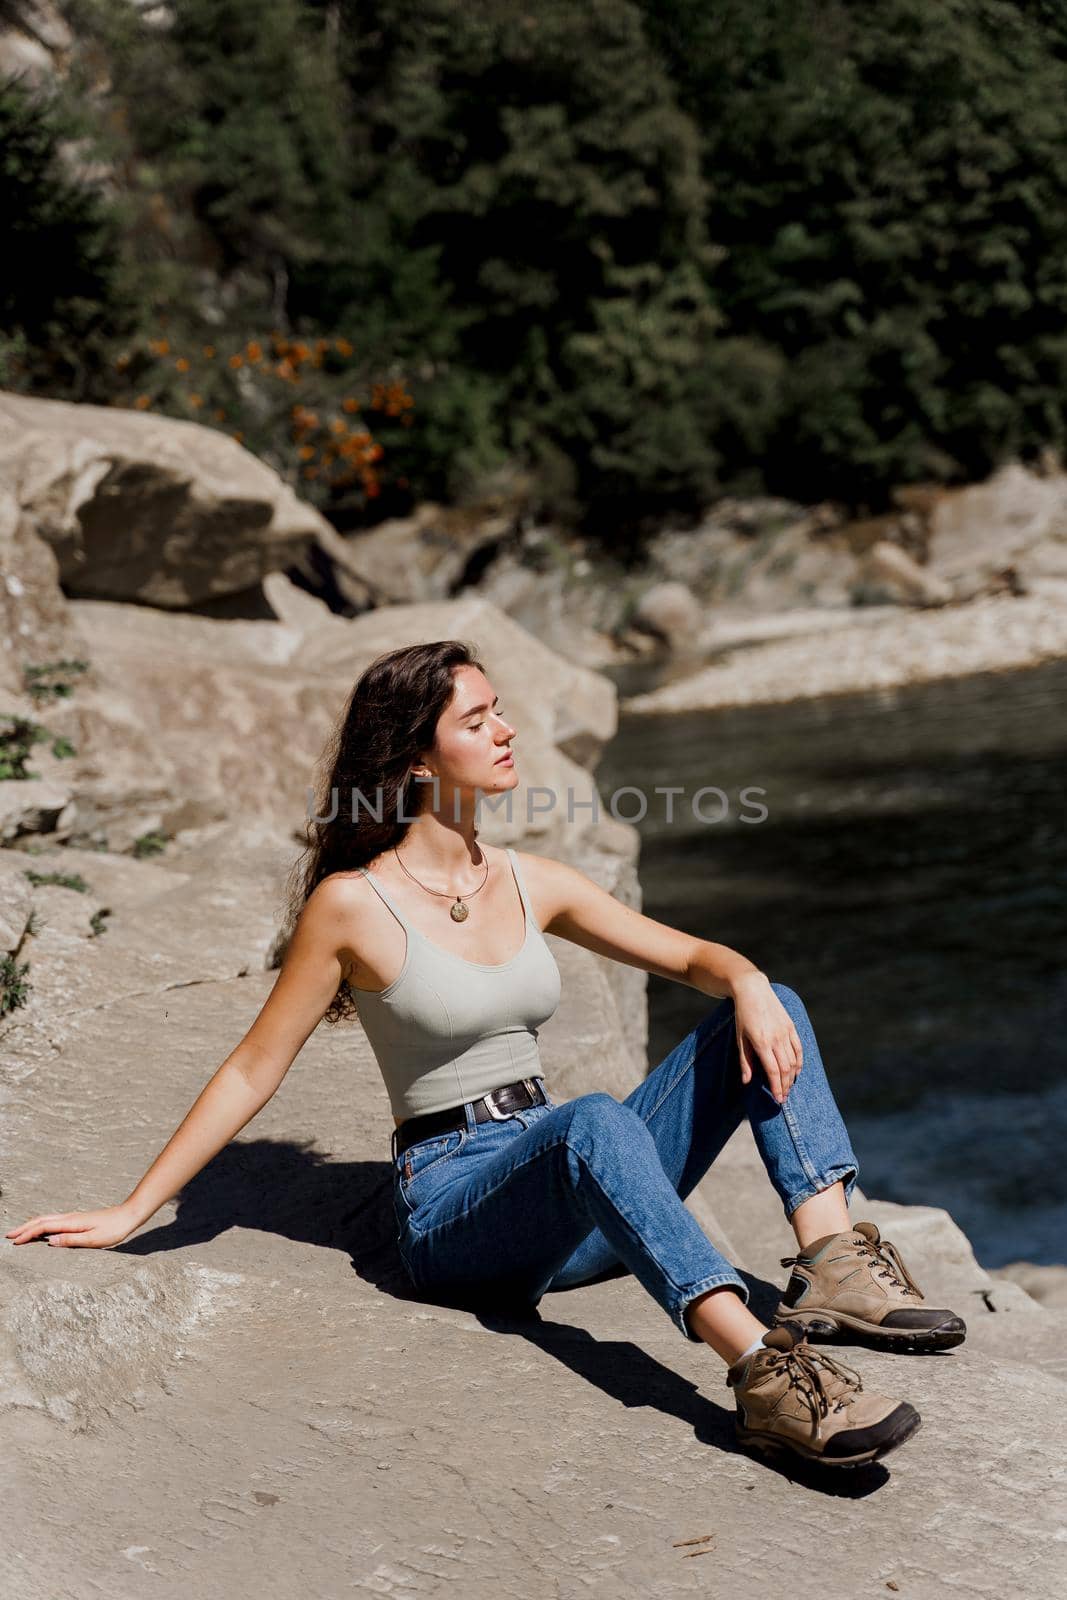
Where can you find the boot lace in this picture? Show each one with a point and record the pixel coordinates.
(804, 1370)
(885, 1262)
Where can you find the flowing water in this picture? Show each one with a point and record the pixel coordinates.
(909, 881)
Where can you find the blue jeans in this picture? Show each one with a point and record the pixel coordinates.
(566, 1194)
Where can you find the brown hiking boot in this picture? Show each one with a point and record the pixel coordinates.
(855, 1283)
(791, 1397)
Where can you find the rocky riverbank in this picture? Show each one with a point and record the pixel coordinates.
(883, 650)
(249, 1386)
(253, 1358)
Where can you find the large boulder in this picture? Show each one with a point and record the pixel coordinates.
(756, 555)
(424, 556)
(1016, 521)
(148, 508)
(889, 572)
(670, 612)
(193, 719)
(35, 620)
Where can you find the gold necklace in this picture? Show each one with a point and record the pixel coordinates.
(459, 911)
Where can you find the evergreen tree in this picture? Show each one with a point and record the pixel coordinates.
(889, 184)
(536, 157)
(62, 294)
(249, 117)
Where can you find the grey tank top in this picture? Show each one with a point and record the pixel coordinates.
(447, 1029)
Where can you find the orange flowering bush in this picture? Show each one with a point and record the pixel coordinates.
(304, 406)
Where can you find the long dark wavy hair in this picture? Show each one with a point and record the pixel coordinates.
(389, 720)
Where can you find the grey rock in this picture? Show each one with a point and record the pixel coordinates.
(888, 572)
(247, 1392)
(35, 621)
(143, 507)
(30, 805)
(155, 729)
(1016, 518)
(1043, 1283)
(997, 632)
(405, 560)
(671, 613)
(16, 901)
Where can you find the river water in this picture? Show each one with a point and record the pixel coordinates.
(909, 881)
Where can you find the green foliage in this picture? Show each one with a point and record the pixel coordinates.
(63, 296)
(230, 130)
(152, 843)
(97, 922)
(42, 681)
(651, 249)
(14, 990)
(537, 159)
(889, 186)
(260, 126)
(68, 880)
(17, 739)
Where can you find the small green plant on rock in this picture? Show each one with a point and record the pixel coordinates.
(18, 738)
(13, 990)
(96, 921)
(152, 843)
(43, 681)
(68, 880)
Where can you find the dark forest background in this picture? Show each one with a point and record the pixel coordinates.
(639, 254)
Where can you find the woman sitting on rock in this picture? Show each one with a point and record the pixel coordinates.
(499, 1191)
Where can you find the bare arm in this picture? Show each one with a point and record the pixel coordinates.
(586, 914)
(222, 1108)
(581, 911)
(308, 980)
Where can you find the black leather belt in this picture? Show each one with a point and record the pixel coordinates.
(496, 1106)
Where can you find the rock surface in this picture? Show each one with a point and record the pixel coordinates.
(187, 720)
(994, 633)
(1015, 519)
(248, 1390)
(35, 620)
(148, 508)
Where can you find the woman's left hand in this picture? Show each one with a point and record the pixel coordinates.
(764, 1025)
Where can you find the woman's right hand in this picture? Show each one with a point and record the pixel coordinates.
(92, 1230)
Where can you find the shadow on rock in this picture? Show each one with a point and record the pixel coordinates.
(631, 1376)
(298, 1192)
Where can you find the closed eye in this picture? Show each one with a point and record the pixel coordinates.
(496, 713)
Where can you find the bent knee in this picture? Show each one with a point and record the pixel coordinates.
(599, 1104)
(789, 997)
(600, 1110)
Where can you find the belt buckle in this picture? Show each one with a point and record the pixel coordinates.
(505, 1116)
(493, 1110)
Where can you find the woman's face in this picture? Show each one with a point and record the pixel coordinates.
(473, 738)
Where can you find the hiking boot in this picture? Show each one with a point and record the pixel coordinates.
(793, 1398)
(855, 1283)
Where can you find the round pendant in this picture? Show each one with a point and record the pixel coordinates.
(460, 912)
